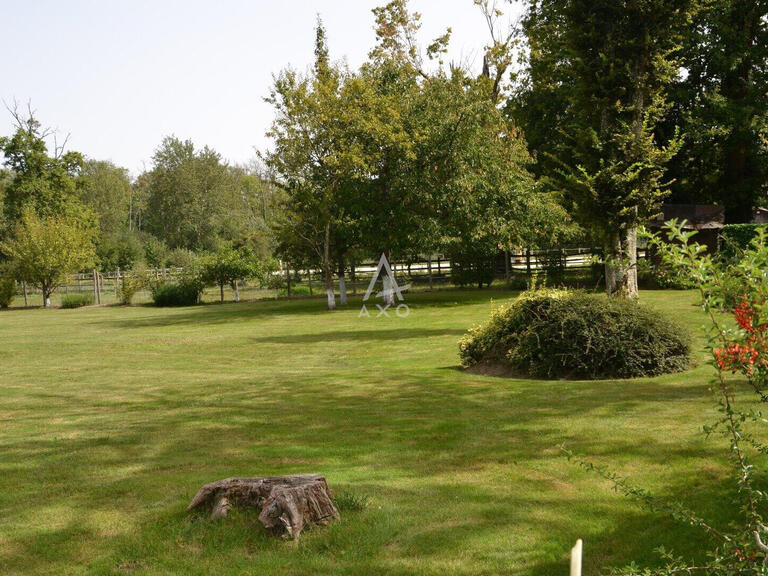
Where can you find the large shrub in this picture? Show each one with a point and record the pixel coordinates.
(186, 292)
(555, 334)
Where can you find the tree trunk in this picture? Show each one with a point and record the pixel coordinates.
(286, 503)
(342, 284)
(429, 270)
(621, 264)
(389, 292)
(236, 290)
(327, 269)
(309, 280)
(221, 291)
(46, 295)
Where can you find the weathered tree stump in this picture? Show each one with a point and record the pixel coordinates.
(287, 503)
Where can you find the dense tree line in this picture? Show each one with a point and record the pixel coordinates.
(625, 104)
(616, 106)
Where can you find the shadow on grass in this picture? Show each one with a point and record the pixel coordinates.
(216, 313)
(420, 433)
(358, 335)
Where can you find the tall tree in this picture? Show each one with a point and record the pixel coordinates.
(44, 251)
(107, 191)
(721, 103)
(189, 193)
(616, 60)
(45, 181)
(309, 159)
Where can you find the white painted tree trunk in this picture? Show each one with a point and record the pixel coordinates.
(327, 268)
(621, 264)
(342, 289)
(389, 293)
(47, 302)
(236, 291)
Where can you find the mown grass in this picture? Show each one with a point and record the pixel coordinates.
(111, 419)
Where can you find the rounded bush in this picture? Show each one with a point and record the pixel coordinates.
(185, 293)
(76, 300)
(560, 334)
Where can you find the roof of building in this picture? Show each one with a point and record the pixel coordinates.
(696, 216)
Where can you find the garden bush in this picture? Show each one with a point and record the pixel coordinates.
(7, 289)
(76, 300)
(186, 292)
(131, 283)
(557, 334)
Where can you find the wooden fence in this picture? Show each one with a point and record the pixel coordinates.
(565, 265)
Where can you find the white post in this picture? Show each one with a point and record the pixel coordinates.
(576, 558)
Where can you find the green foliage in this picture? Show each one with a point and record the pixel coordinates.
(735, 238)
(720, 107)
(195, 201)
(300, 290)
(392, 159)
(46, 183)
(131, 283)
(597, 79)
(155, 252)
(492, 340)
(106, 190)
(738, 549)
(44, 251)
(121, 251)
(185, 291)
(7, 287)
(182, 258)
(479, 270)
(76, 300)
(577, 335)
(228, 266)
(659, 275)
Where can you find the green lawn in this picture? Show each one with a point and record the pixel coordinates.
(112, 418)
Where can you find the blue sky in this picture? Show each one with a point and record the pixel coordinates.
(118, 75)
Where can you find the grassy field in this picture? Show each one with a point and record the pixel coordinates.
(111, 419)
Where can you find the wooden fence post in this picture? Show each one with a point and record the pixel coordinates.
(528, 261)
(96, 287)
(576, 558)
(507, 278)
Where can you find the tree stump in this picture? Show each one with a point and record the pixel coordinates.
(286, 503)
